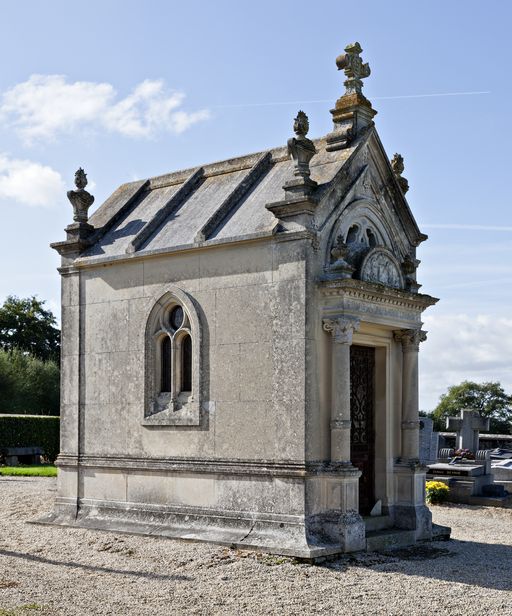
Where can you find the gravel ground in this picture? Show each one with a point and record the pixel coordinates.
(58, 571)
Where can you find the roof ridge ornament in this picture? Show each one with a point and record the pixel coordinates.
(354, 68)
(301, 150)
(79, 233)
(353, 111)
(80, 199)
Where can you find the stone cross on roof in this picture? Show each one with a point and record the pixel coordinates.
(354, 68)
(468, 427)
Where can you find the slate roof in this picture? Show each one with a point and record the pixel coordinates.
(217, 201)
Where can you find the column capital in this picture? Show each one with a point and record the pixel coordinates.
(341, 329)
(410, 338)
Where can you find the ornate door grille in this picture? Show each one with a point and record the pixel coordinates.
(362, 402)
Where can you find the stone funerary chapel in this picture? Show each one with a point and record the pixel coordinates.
(240, 347)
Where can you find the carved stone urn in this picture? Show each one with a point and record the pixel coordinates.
(80, 199)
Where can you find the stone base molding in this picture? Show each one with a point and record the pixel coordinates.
(409, 509)
(303, 510)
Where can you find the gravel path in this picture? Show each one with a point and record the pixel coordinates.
(57, 571)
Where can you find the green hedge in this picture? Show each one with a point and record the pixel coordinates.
(31, 431)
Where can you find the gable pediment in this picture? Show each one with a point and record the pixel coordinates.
(370, 233)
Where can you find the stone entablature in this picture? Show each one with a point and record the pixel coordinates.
(374, 302)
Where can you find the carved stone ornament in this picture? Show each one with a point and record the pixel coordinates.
(339, 254)
(367, 183)
(353, 111)
(380, 266)
(410, 338)
(80, 199)
(355, 69)
(341, 329)
(300, 148)
(397, 164)
(409, 267)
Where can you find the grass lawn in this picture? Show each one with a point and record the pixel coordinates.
(40, 470)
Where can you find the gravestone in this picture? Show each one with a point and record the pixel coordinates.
(467, 427)
(470, 480)
(429, 441)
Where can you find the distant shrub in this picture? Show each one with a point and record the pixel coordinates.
(28, 384)
(437, 492)
(31, 431)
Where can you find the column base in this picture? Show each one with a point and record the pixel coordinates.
(410, 511)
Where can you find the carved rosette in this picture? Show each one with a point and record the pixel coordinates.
(341, 329)
(410, 338)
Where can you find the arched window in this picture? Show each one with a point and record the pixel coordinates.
(165, 365)
(186, 363)
(372, 240)
(352, 234)
(173, 343)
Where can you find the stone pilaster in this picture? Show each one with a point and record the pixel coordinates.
(410, 340)
(342, 330)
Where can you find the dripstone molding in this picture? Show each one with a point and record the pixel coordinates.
(240, 348)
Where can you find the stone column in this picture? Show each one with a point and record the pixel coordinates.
(410, 339)
(342, 330)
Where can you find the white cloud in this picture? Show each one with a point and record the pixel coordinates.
(464, 347)
(29, 182)
(46, 106)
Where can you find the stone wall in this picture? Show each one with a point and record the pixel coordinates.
(251, 304)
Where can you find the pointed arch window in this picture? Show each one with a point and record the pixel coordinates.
(352, 234)
(173, 362)
(186, 363)
(165, 365)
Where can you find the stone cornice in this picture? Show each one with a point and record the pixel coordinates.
(274, 235)
(223, 466)
(377, 293)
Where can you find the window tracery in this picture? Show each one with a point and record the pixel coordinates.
(172, 362)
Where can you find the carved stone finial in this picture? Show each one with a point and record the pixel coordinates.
(301, 124)
(353, 111)
(339, 254)
(355, 70)
(301, 151)
(397, 164)
(80, 199)
(80, 178)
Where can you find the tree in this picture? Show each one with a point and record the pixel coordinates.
(27, 326)
(28, 384)
(489, 399)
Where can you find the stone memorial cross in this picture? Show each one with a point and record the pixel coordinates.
(468, 427)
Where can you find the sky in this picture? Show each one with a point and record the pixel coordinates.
(130, 89)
